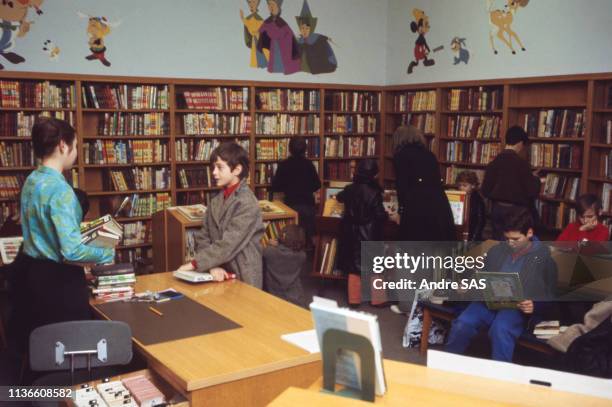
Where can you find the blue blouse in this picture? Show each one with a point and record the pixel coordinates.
(50, 218)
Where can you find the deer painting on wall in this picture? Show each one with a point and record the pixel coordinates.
(501, 23)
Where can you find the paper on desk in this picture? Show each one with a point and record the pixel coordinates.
(306, 340)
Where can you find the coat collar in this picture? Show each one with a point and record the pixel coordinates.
(220, 205)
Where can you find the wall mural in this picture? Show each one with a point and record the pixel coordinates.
(421, 26)
(51, 50)
(97, 29)
(14, 24)
(461, 54)
(273, 44)
(500, 22)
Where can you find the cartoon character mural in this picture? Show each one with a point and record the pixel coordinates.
(316, 54)
(51, 49)
(421, 49)
(97, 29)
(277, 38)
(13, 24)
(463, 55)
(501, 21)
(252, 24)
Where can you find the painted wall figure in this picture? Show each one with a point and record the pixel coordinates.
(500, 22)
(462, 54)
(421, 49)
(252, 24)
(278, 39)
(316, 53)
(13, 24)
(97, 29)
(51, 50)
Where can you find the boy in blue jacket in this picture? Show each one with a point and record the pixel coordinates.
(521, 253)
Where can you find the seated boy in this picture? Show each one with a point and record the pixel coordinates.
(588, 226)
(521, 253)
(230, 237)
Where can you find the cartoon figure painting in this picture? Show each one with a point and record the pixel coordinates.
(51, 49)
(278, 39)
(463, 55)
(13, 24)
(316, 54)
(421, 49)
(500, 21)
(97, 29)
(252, 24)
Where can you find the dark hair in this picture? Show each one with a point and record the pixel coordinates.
(515, 135)
(468, 177)
(367, 169)
(233, 154)
(520, 220)
(297, 146)
(294, 237)
(48, 132)
(83, 200)
(586, 202)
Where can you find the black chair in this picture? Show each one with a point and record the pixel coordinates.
(68, 347)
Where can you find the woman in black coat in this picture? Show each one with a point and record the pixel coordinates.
(363, 220)
(425, 214)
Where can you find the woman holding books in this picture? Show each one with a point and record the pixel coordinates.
(51, 215)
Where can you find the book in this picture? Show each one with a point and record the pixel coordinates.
(331, 206)
(351, 101)
(503, 290)
(414, 101)
(390, 201)
(102, 232)
(112, 269)
(457, 199)
(547, 329)
(270, 208)
(9, 247)
(192, 212)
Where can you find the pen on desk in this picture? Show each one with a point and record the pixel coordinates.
(153, 310)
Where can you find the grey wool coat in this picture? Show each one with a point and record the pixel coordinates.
(230, 236)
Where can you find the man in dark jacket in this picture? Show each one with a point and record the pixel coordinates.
(509, 182)
(524, 254)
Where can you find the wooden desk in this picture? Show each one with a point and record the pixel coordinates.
(416, 385)
(248, 366)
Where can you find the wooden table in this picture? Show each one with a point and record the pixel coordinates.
(248, 366)
(415, 385)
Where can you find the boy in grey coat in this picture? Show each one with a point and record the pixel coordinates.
(230, 238)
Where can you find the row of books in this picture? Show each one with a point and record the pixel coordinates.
(195, 177)
(265, 172)
(45, 95)
(561, 187)
(136, 233)
(10, 185)
(283, 124)
(339, 147)
(73, 178)
(450, 176)
(273, 231)
(474, 152)
(353, 101)
(7, 210)
(606, 198)
(139, 178)
(136, 256)
(267, 194)
(19, 124)
(216, 124)
(16, 154)
(351, 123)
(125, 97)
(195, 198)
(125, 152)
(289, 99)
(556, 156)
(480, 127)
(128, 124)
(200, 150)
(556, 216)
(555, 123)
(476, 99)
(343, 171)
(608, 137)
(216, 99)
(148, 204)
(425, 122)
(414, 101)
(605, 168)
(113, 281)
(328, 265)
(272, 149)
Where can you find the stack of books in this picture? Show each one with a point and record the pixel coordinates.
(548, 329)
(102, 232)
(115, 281)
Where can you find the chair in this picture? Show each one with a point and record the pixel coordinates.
(68, 346)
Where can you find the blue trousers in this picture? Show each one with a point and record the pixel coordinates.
(505, 326)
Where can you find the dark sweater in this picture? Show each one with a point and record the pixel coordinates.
(508, 178)
(297, 178)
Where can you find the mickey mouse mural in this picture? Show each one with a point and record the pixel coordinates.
(421, 26)
(13, 24)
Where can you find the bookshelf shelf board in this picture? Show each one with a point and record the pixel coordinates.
(328, 277)
(549, 169)
(553, 199)
(211, 111)
(133, 219)
(352, 134)
(38, 109)
(601, 179)
(134, 246)
(211, 136)
(601, 145)
(350, 112)
(559, 105)
(606, 110)
(105, 110)
(484, 140)
(461, 164)
(270, 160)
(338, 179)
(129, 192)
(287, 111)
(557, 139)
(473, 112)
(152, 164)
(411, 112)
(286, 135)
(205, 162)
(428, 135)
(27, 168)
(15, 138)
(131, 137)
(197, 189)
(361, 157)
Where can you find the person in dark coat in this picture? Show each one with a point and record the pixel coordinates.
(509, 182)
(425, 213)
(297, 178)
(467, 181)
(363, 220)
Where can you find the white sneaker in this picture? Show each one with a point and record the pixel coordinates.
(396, 309)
